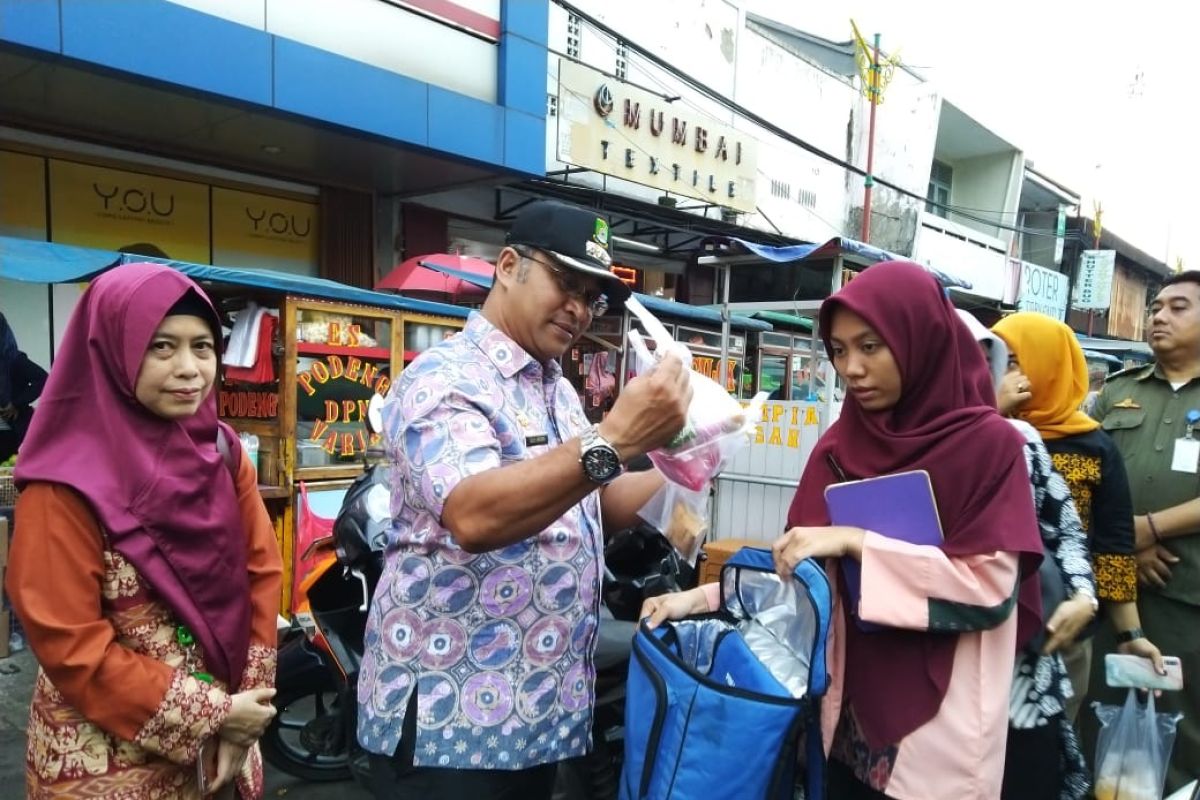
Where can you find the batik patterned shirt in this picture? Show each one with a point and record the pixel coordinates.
(497, 646)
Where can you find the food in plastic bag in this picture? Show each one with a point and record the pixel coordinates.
(681, 515)
(717, 425)
(1133, 750)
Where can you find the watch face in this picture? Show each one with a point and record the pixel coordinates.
(601, 463)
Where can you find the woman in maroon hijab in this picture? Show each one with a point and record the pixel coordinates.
(144, 567)
(917, 710)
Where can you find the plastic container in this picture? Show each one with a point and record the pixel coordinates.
(250, 445)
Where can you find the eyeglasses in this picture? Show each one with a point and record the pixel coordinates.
(572, 284)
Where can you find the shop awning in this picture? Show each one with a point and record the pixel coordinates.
(856, 252)
(1114, 345)
(48, 262)
(1096, 355)
(658, 305)
(710, 316)
(786, 320)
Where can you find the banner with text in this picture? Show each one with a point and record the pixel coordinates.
(113, 209)
(262, 231)
(1093, 288)
(1042, 290)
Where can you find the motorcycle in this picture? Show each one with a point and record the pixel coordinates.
(314, 734)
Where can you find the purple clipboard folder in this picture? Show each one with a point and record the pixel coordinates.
(899, 506)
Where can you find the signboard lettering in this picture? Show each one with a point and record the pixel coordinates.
(269, 232)
(781, 425)
(114, 209)
(246, 404)
(1042, 290)
(334, 377)
(613, 128)
(1093, 288)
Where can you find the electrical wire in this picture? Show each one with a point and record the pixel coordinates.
(767, 125)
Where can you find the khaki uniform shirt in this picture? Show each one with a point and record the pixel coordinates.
(1145, 416)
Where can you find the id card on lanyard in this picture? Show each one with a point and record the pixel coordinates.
(1186, 457)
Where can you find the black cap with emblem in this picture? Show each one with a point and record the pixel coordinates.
(577, 238)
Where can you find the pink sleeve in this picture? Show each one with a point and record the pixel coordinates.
(920, 587)
(712, 593)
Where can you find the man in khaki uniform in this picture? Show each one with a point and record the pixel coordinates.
(1153, 415)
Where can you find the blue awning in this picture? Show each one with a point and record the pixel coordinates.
(44, 262)
(47, 262)
(657, 305)
(683, 311)
(1096, 355)
(859, 250)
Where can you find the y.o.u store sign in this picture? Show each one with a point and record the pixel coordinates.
(71, 202)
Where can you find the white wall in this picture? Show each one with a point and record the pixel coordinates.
(905, 138)
(379, 34)
(816, 107)
(26, 306)
(987, 182)
(965, 253)
(697, 37)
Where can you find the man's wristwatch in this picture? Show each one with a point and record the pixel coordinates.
(601, 461)
(1130, 635)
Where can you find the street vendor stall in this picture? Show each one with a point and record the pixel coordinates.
(787, 288)
(700, 329)
(712, 339)
(303, 358)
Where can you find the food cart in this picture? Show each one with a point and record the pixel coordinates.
(329, 348)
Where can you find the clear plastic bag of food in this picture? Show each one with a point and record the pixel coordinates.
(1133, 749)
(681, 515)
(717, 425)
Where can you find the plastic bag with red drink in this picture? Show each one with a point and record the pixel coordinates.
(717, 425)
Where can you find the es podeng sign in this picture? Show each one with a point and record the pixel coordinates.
(610, 127)
(323, 376)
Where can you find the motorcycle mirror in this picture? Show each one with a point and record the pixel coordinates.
(375, 413)
(323, 544)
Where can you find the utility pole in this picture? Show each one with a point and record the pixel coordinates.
(869, 181)
(1097, 213)
(875, 76)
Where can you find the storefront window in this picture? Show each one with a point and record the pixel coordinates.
(772, 376)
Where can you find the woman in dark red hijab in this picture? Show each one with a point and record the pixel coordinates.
(144, 567)
(919, 709)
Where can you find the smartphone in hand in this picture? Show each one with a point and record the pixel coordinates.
(1135, 672)
(206, 773)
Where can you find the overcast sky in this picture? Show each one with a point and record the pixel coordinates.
(1096, 94)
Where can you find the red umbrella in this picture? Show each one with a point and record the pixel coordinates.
(410, 277)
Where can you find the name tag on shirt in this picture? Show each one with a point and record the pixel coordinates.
(541, 439)
(1187, 456)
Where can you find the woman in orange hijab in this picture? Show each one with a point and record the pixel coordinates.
(1047, 383)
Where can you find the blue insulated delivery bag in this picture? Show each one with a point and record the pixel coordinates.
(718, 704)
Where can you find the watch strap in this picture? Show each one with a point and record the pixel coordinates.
(591, 439)
(1128, 636)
